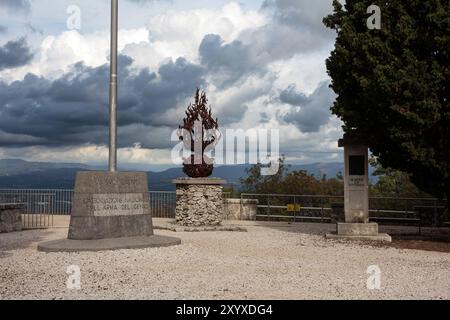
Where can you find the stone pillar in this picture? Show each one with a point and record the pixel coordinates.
(356, 182)
(356, 195)
(199, 201)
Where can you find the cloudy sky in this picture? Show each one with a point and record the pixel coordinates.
(261, 63)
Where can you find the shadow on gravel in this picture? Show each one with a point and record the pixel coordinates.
(4, 254)
(316, 229)
(404, 237)
(425, 244)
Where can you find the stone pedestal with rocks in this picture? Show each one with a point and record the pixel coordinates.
(10, 217)
(111, 210)
(199, 201)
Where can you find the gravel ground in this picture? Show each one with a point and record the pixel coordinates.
(270, 261)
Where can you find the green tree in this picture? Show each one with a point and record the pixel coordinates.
(393, 85)
(393, 183)
(290, 182)
(255, 182)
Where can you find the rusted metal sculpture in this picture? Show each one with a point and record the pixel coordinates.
(200, 135)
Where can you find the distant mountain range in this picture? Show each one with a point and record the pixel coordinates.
(48, 175)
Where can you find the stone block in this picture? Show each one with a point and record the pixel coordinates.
(110, 205)
(383, 237)
(10, 217)
(240, 209)
(357, 229)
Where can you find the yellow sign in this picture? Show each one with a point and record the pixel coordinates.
(294, 207)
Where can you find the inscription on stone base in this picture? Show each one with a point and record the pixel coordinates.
(117, 204)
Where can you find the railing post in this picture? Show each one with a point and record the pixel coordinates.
(321, 209)
(241, 206)
(295, 209)
(436, 222)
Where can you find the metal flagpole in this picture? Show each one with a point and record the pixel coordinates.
(113, 88)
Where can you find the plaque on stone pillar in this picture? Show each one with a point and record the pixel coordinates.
(356, 195)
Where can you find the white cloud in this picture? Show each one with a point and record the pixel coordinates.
(171, 34)
(167, 35)
(57, 53)
(305, 70)
(180, 33)
(88, 154)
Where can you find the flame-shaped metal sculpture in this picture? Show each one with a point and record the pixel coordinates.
(200, 135)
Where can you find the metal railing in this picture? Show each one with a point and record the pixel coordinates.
(39, 205)
(312, 207)
(42, 205)
(163, 203)
(319, 208)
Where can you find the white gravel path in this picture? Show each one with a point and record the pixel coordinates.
(270, 261)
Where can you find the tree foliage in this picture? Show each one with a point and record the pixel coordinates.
(393, 183)
(290, 182)
(393, 85)
(388, 183)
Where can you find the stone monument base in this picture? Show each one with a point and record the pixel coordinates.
(67, 245)
(199, 202)
(110, 205)
(110, 210)
(359, 231)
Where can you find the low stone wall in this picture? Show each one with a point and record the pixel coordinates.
(240, 209)
(199, 202)
(10, 217)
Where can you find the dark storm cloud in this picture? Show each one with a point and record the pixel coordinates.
(25, 5)
(16, 5)
(291, 96)
(310, 112)
(296, 27)
(230, 62)
(15, 53)
(300, 13)
(73, 109)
